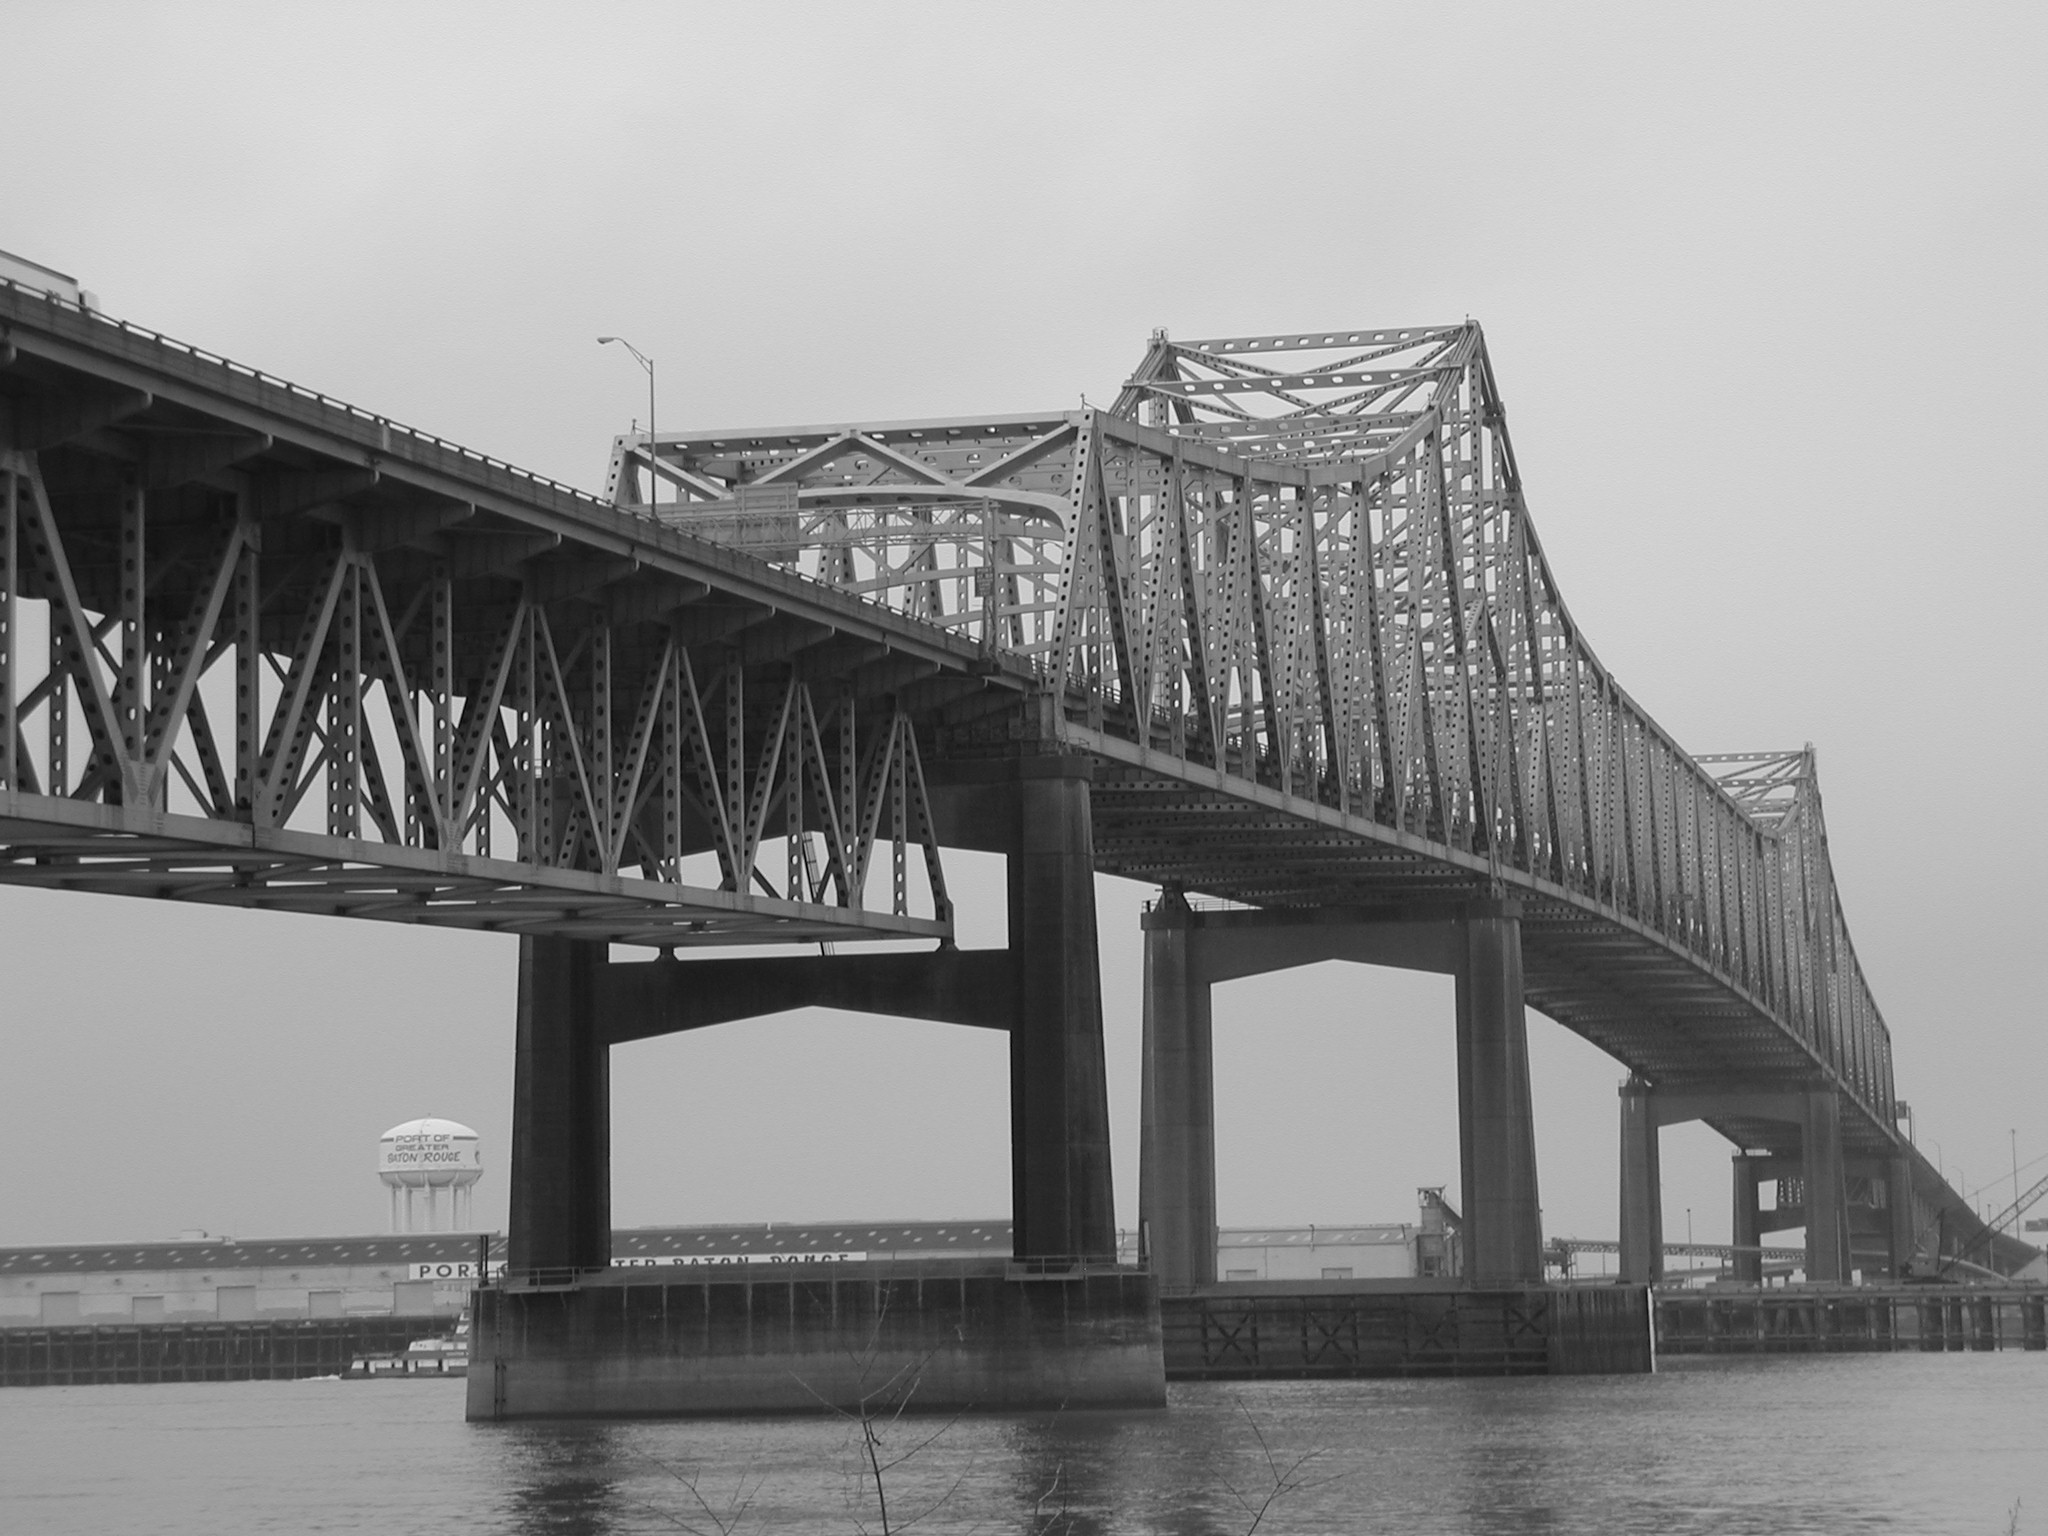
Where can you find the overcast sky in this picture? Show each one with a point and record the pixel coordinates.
(1762, 285)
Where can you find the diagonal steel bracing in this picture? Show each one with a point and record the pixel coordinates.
(261, 649)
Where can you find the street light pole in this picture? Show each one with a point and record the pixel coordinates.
(2015, 1135)
(652, 451)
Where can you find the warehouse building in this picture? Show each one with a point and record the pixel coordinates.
(210, 1279)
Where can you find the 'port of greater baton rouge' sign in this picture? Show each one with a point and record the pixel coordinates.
(466, 1269)
(429, 1152)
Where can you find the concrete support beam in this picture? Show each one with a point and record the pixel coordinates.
(1642, 1188)
(1177, 1164)
(561, 1111)
(1059, 1095)
(1745, 1219)
(1827, 1189)
(1235, 944)
(1496, 1124)
(950, 986)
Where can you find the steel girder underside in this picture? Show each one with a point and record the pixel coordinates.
(1287, 594)
(262, 649)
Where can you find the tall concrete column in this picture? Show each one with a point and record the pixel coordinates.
(1827, 1189)
(1642, 1188)
(1496, 1124)
(1898, 1200)
(1177, 1160)
(1059, 1097)
(1746, 1220)
(561, 1111)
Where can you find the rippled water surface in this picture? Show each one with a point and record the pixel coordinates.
(1849, 1443)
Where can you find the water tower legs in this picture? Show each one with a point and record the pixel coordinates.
(561, 1111)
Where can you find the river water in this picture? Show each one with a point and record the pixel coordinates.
(1919, 1443)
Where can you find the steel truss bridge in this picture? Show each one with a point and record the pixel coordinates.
(1284, 596)
(1288, 594)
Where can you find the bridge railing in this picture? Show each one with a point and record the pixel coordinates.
(223, 374)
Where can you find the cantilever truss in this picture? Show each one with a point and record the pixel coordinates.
(1288, 588)
(524, 766)
(258, 649)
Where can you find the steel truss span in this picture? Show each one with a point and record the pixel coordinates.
(1287, 592)
(258, 648)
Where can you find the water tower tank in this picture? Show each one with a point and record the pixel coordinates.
(430, 1164)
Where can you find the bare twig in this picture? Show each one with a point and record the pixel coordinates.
(723, 1524)
(1044, 1524)
(881, 1408)
(1286, 1479)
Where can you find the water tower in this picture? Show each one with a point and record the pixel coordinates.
(430, 1164)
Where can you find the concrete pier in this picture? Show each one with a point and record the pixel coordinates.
(1068, 1328)
(1043, 990)
(1188, 952)
(1745, 1220)
(1818, 1171)
(1059, 1088)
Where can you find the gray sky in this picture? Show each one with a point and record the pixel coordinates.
(1762, 288)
